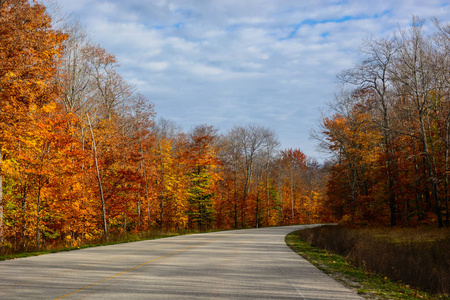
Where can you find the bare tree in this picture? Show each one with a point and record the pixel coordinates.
(413, 78)
(269, 151)
(441, 72)
(111, 88)
(233, 154)
(75, 71)
(372, 76)
(246, 143)
(99, 179)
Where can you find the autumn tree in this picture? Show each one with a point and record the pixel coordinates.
(171, 191)
(350, 134)
(203, 174)
(142, 114)
(28, 50)
(82, 158)
(391, 134)
(294, 164)
(372, 76)
(314, 179)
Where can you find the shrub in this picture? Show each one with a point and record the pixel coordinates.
(419, 257)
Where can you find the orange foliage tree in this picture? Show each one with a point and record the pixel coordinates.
(389, 135)
(28, 50)
(82, 158)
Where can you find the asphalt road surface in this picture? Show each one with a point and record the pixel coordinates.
(242, 264)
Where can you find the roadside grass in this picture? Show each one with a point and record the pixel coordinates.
(363, 280)
(10, 253)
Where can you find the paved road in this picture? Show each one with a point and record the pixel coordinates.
(243, 264)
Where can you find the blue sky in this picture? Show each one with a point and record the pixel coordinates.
(227, 62)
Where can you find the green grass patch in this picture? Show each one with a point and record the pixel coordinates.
(368, 284)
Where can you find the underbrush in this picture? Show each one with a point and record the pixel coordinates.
(10, 252)
(419, 257)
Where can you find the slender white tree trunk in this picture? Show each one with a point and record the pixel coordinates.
(100, 186)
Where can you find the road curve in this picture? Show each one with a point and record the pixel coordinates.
(241, 264)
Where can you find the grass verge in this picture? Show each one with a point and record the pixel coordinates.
(367, 284)
(129, 238)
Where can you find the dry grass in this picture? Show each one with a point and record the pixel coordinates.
(419, 257)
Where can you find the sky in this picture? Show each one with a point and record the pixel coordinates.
(237, 62)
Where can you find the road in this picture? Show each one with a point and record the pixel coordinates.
(241, 264)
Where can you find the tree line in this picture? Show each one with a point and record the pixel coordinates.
(388, 131)
(83, 156)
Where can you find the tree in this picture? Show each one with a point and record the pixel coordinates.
(202, 166)
(372, 75)
(169, 162)
(350, 134)
(28, 51)
(294, 163)
(271, 147)
(247, 142)
(413, 81)
(441, 54)
(314, 180)
(142, 120)
(390, 134)
(232, 155)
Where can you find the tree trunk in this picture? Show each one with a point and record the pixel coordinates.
(235, 199)
(147, 199)
(292, 198)
(431, 175)
(162, 196)
(144, 173)
(311, 195)
(24, 220)
(447, 141)
(391, 191)
(257, 202)
(2, 238)
(267, 193)
(100, 186)
(38, 217)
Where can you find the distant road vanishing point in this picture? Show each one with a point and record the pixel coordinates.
(240, 264)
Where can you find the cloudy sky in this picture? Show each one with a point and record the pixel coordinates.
(227, 62)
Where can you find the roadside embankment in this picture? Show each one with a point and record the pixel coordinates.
(403, 262)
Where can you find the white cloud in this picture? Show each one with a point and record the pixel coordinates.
(230, 61)
(157, 66)
(199, 69)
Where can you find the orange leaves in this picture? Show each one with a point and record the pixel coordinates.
(26, 69)
(203, 175)
(28, 50)
(100, 56)
(82, 155)
(353, 137)
(294, 158)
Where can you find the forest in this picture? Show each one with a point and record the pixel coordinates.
(83, 155)
(389, 131)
